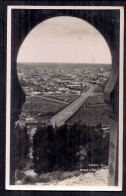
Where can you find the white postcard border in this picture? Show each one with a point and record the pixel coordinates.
(8, 103)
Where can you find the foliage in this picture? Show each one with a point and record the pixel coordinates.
(68, 148)
(21, 146)
(43, 149)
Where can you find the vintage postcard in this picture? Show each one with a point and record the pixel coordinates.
(64, 105)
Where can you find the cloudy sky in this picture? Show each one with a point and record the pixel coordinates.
(66, 40)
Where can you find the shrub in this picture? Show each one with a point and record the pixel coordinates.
(20, 175)
(44, 178)
(30, 180)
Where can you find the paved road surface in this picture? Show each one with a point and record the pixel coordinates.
(60, 118)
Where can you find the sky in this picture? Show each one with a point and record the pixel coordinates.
(64, 39)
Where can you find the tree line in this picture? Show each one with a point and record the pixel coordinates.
(66, 148)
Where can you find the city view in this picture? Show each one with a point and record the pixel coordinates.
(51, 87)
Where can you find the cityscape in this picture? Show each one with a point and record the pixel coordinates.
(51, 87)
(63, 125)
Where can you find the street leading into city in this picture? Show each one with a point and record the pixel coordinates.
(60, 118)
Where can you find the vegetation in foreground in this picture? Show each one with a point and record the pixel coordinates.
(65, 148)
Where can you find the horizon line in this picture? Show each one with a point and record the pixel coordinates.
(67, 63)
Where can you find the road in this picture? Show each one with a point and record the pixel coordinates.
(60, 118)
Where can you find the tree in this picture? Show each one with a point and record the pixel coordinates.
(68, 147)
(21, 146)
(98, 147)
(43, 149)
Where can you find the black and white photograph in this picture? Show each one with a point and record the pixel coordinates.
(64, 104)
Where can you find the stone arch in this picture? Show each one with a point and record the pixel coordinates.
(97, 18)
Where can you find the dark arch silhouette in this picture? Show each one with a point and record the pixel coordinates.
(23, 21)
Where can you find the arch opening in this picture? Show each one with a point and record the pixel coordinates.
(54, 49)
(63, 66)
